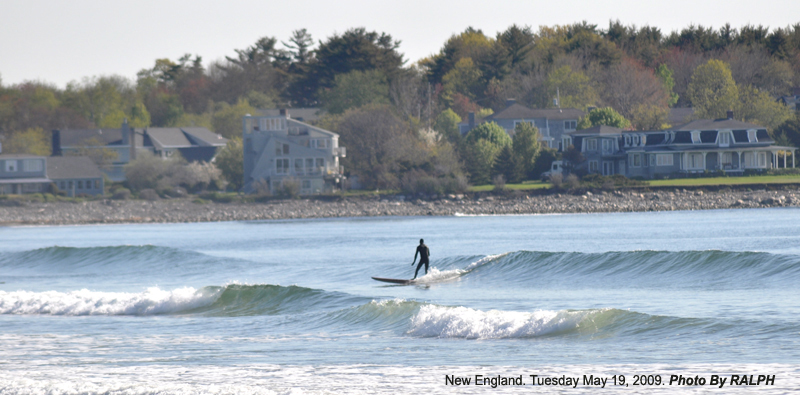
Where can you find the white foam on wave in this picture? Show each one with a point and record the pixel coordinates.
(436, 276)
(85, 302)
(464, 322)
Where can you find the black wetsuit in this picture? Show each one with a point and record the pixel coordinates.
(423, 252)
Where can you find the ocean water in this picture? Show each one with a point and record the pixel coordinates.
(288, 307)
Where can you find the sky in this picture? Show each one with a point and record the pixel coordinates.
(58, 41)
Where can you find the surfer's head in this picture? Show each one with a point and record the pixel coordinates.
(421, 241)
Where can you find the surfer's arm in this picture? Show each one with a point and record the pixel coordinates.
(415, 257)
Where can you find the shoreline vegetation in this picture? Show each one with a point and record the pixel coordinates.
(24, 210)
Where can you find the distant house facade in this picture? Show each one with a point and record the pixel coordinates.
(193, 143)
(703, 145)
(551, 122)
(75, 175)
(20, 174)
(279, 148)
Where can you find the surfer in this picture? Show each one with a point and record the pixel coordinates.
(424, 253)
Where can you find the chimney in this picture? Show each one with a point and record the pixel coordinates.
(730, 114)
(284, 112)
(471, 120)
(132, 155)
(510, 102)
(126, 132)
(55, 143)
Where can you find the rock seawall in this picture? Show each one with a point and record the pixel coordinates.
(184, 210)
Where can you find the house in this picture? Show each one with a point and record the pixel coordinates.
(279, 148)
(302, 114)
(21, 174)
(702, 145)
(193, 143)
(75, 175)
(551, 122)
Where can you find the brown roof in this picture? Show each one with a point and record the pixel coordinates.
(68, 167)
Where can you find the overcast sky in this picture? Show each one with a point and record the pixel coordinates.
(59, 41)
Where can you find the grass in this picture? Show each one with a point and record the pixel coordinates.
(518, 187)
(678, 182)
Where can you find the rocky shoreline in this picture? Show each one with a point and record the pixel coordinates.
(535, 202)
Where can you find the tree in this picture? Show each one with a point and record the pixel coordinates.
(650, 117)
(760, 108)
(572, 158)
(447, 125)
(227, 119)
(465, 78)
(527, 147)
(33, 141)
(230, 160)
(484, 143)
(506, 165)
(355, 89)
(664, 75)
(356, 49)
(377, 142)
(628, 85)
(712, 90)
(573, 87)
(603, 116)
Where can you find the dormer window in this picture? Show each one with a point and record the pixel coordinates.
(724, 139)
(696, 137)
(751, 136)
(627, 141)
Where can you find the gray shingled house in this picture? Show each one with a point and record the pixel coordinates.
(21, 174)
(75, 175)
(193, 143)
(279, 148)
(551, 122)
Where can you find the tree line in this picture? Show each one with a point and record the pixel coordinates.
(399, 120)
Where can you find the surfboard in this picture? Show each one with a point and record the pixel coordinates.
(393, 280)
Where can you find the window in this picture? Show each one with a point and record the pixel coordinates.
(320, 143)
(298, 166)
(11, 166)
(762, 159)
(694, 161)
(664, 160)
(652, 160)
(320, 162)
(724, 138)
(310, 166)
(608, 146)
(282, 166)
(80, 184)
(278, 150)
(62, 185)
(96, 184)
(592, 166)
(69, 185)
(751, 136)
(591, 145)
(636, 160)
(32, 165)
(570, 125)
(695, 136)
(286, 149)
